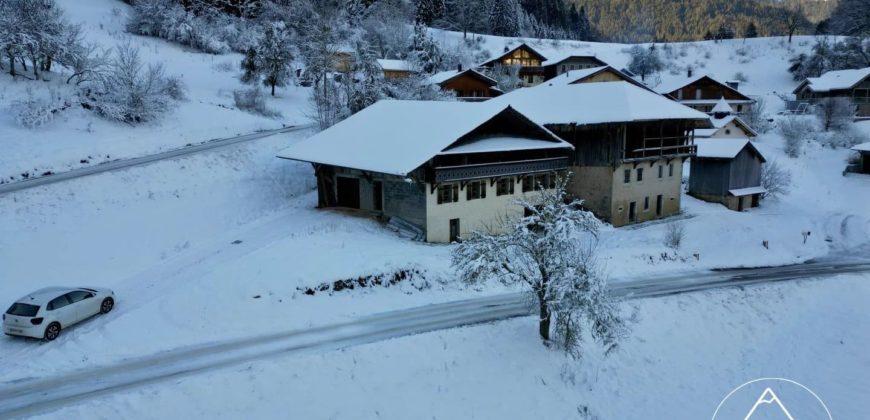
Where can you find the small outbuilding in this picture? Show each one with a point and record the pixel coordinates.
(727, 171)
(395, 69)
(725, 124)
(438, 169)
(469, 85)
(863, 165)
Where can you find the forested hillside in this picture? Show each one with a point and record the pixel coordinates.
(677, 20)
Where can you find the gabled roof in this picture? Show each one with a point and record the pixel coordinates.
(575, 76)
(722, 107)
(724, 148)
(510, 51)
(720, 123)
(443, 77)
(673, 85)
(394, 65)
(397, 137)
(863, 147)
(835, 80)
(596, 103)
(563, 57)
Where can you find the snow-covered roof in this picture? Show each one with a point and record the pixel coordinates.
(723, 148)
(572, 76)
(863, 147)
(838, 79)
(556, 59)
(722, 107)
(500, 143)
(719, 123)
(595, 103)
(747, 191)
(444, 76)
(397, 137)
(394, 65)
(671, 85)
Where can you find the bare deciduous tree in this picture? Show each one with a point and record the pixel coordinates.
(834, 113)
(775, 179)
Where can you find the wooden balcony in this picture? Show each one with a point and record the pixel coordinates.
(492, 170)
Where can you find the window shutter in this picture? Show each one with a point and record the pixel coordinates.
(482, 186)
(511, 187)
(440, 195)
(455, 193)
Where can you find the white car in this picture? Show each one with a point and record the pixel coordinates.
(45, 312)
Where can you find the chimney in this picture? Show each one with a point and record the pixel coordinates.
(506, 49)
(733, 84)
(689, 72)
(459, 67)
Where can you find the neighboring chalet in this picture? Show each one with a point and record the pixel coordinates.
(863, 164)
(535, 68)
(528, 60)
(725, 124)
(558, 66)
(443, 168)
(468, 85)
(395, 69)
(593, 75)
(727, 171)
(630, 144)
(704, 92)
(852, 84)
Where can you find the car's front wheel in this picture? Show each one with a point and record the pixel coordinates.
(52, 331)
(107, 305)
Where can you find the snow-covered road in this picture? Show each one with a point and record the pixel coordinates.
(26, 397)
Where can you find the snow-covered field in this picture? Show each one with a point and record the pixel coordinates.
(77, 135)
(217, 245)
(685, 354)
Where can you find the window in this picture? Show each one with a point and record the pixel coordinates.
(448, 194)
(505, 186)
(739, 108)
(661, 171)
(670, 169)
(645, 203)
(697, 93)
(530, 79)
(680, 94)
(626, 176)
(475, 190)
(79, 295)
(727, 131)
(58, 302)
(22, 309)
(639, 174)
(528, 183)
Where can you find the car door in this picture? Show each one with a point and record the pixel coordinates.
(83, 302)
(62, 311)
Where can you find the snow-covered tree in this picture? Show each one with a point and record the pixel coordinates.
(644, 61)
(36, 32)
(503, 17)
(275, 55)
(834, 113)
(250, 67)
(851, 17)
(550, 253)
(775, 179)
(464, 16)
(425, 53)
(507, 77)
(751, 31)
(794, 131)
(429, 10)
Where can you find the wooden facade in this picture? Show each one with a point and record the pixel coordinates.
(526, 58)
(469, 85)
(704, 92)
(859, 94)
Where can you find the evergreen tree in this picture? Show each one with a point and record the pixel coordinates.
(429, 10)
(709, 36)
(275, 56)
(425, 52)
(851, 18)
(503, 16)
(751, 31)
(250, 67)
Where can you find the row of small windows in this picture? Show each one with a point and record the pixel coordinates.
(626, 175)
(475, 190)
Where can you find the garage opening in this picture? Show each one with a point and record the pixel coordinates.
(348, 192)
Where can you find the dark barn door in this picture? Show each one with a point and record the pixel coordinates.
(659, 202)
(454, 230)
(632, 212)
(378, 195)
(348, 192)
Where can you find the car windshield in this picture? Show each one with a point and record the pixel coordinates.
(22, 309)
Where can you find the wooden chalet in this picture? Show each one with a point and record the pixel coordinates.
(630, 144)
(593, 75)
(561, 65)
(469, 85)
(704, 92)
(526, 58)
(853, 84)
(727, 171)
(725, 124)
(395, 69)
(438, 170)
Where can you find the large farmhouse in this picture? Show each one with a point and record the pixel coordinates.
(444, 168)
(535, 68)
(704, 92)
(593, 75)
(630, 144)
(852, 84)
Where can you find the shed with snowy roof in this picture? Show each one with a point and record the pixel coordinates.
(727, 171)
(863, 163)
(436, 170)
(395, 69)
(853, 84)
(468, 85)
